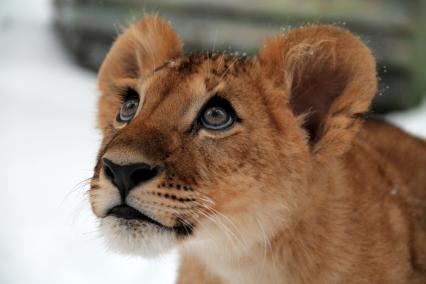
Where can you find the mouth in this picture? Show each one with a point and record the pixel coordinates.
(129, 213)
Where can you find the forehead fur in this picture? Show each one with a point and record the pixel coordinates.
(182, 75)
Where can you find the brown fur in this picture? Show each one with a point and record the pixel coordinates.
(302, 190)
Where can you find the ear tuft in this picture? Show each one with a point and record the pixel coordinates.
(140, 49)
(155, 42)
(330, 78)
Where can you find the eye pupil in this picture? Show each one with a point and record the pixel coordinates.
(216, 116)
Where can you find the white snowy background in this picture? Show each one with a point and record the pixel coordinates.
(48, 144)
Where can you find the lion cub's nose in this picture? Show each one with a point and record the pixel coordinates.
(127, 177)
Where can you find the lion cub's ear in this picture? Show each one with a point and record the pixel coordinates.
(140, 49)
(329, 76)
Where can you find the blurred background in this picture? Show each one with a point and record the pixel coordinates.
(49, 55)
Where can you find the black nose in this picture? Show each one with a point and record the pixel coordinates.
(127, 177)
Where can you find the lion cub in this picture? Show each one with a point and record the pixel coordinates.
(260, 169)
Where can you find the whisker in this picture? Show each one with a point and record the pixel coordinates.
(218, 213)
(227, 69)
(208, 64)
(266, 242)
(228, 233)
(235, 233)
(79, 186)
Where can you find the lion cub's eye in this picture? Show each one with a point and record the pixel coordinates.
(216, 118)
(129, 106)
(217, 114)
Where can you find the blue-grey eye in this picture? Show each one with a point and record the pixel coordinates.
(216, 118)
(128, 109)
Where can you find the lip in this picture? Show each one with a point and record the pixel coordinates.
(130, 213)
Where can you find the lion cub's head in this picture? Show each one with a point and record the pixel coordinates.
(215, 147)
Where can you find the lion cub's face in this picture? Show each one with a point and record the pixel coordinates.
(196, 139)
(195, 147)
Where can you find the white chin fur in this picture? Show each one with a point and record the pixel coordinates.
(136, 238)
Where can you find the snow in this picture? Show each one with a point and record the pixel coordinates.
(48, 145)
(413, 121)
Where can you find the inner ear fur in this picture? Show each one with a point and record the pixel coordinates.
(330, 78)
(136, 52)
